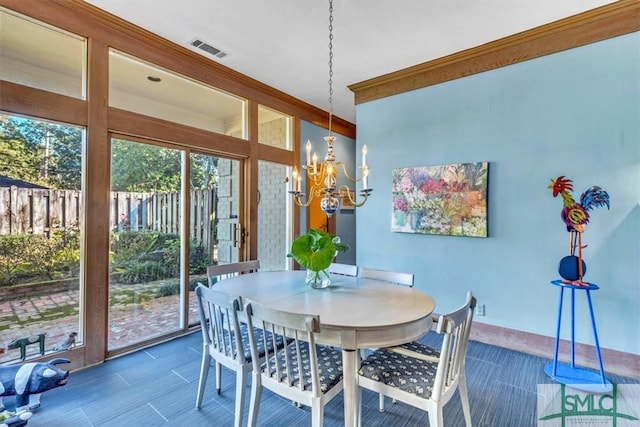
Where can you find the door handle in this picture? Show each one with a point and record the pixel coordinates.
(235, 235)
(239, 234)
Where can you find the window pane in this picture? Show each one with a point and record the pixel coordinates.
(135, 85)
(144, 287)
(213, 214)
(274, 128)
(227, 211)
(40, 212)
(40, 56)
(274, 217)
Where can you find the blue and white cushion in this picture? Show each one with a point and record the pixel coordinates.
(409, 374)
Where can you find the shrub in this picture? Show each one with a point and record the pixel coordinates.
(198, 259)
(129, 245)
(174, 288)
(32, 255)
(11, 257)
(144, 271)
(54, 256)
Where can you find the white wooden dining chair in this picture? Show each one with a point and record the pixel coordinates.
(421, 376)
(343, 269)
(303, 372)
(225, 340)
(219, 272)
(399, 278)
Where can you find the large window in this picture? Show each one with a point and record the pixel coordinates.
(40, 224)
(105, 228)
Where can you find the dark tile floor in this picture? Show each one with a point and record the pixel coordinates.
(157, 386)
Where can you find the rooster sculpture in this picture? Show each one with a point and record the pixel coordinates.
(576, 216)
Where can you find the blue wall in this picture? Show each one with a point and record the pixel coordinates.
(574, 113)
(344, 151)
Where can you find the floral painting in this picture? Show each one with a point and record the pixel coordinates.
(443, 199)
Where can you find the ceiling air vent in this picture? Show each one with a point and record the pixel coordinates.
(218, 53)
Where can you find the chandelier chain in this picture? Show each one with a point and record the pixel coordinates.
(330, 63)
(322, 175)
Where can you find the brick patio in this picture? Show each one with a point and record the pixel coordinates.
(128, 323)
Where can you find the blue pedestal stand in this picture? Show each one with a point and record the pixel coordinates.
(570, 374)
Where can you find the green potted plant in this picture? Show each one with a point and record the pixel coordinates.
(315, 252)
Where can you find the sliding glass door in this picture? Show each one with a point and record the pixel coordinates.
(146, 241)
(214, 228)
(149, 241)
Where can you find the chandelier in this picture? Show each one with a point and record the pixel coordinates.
(322, 176)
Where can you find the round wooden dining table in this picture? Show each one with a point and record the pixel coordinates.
(354, 313)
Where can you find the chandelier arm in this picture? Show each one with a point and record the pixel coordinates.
(346, 174)
(314, 191)
(318, 177)
(347, 191)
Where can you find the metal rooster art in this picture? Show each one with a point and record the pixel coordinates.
(576, 216)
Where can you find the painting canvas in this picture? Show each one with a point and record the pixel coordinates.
(442, 199)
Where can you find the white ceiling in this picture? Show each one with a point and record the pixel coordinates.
(284, 43)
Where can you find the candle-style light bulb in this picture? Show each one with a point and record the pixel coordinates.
(365, 178)
(296, 176)
(330, 180)
(315, 163)
(364, 155)
(308, 152)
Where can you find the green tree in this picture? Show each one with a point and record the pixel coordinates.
(149, 168)
(144, 168)
(41, 152)
(204, 171)
(50, 154)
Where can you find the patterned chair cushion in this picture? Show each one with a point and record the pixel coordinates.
(329, 366)
(412, 375)
(246, 346)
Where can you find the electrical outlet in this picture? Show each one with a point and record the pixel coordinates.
(480, 310)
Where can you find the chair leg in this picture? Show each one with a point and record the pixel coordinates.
(464, 398)
(204, 372)
(359, 406)
(317, 412)
(435, 417)
(381, 402)
(241, 383)
(256, 394)
(218, 377)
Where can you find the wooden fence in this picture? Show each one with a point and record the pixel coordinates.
(41, 211)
